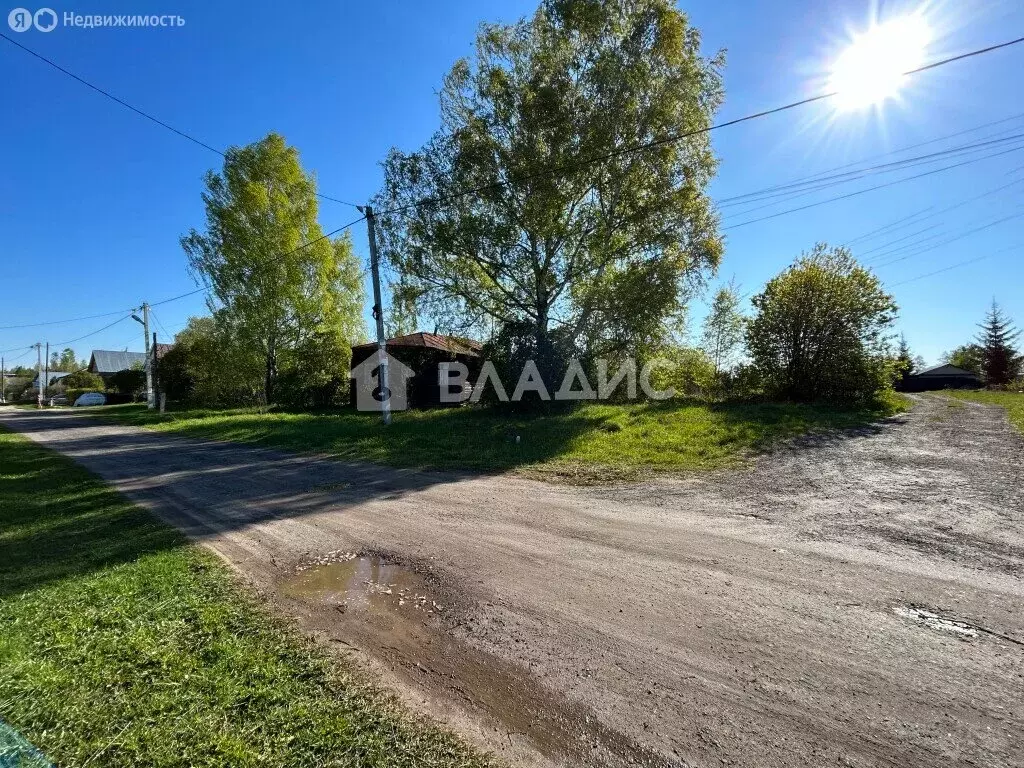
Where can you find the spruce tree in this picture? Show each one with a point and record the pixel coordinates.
(1000, 360)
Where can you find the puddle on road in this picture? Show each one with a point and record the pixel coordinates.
(364, 582)
(935, 621)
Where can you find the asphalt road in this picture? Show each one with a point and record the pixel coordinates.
(852, 600)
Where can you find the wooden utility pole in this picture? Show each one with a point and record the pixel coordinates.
(39, 375)
(46, 363)
(156, 376)
(144, 321)
(150, 402)
(378, 315)
(3, 381)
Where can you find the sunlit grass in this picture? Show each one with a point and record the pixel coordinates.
(122, 645)
(591, 443)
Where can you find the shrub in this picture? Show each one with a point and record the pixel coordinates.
(820, 330)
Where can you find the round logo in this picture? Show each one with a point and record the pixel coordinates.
(20, 19)
(45, 19)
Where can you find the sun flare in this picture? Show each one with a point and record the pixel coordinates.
(872, 67)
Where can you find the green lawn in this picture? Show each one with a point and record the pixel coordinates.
(122, 645)
(595, 442)
(1013, 402)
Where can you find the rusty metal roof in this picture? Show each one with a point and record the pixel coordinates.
(432, 341)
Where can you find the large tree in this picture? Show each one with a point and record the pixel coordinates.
(1000, 360)
(821, 329)
(276, 281)
(570, 235)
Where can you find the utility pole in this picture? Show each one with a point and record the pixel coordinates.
(378, 315)
(156, 373)
(46, 378)
(39, 374)
(150, 403)
(3, 381)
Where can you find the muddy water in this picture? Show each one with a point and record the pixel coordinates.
(394, 612)
(364, 583)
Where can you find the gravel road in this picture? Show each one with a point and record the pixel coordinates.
(845, 600)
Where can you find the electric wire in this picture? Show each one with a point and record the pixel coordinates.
(956, 266)
(871, 189)
(678, 136)
(136, 110)
(953, 239)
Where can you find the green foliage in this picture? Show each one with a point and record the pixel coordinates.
(966, 356)
(208, 366)
(820, 330)
(905, 363)
(1000, 360)
(123, 646)
(84, 380)
(277, 281)
(690, 372)
(724, 328)
(131, 381)
(596, 442)
(16, 387)
(587, 258)
(66, 361)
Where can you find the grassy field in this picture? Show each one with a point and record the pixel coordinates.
(122, 645)
(1013, 402)
(594, 442)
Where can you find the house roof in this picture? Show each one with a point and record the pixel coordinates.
(52, 377)
(432, 341)
(112, 361)
(946, 370)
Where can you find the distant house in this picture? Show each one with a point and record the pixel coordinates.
(52, 378)
(422, 352)
(105, 363)
(942, 377)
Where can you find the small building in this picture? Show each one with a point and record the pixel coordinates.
(52, 377)
(105, 363)
(422, 352)
(941, 377)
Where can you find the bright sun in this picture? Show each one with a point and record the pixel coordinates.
(871, 68)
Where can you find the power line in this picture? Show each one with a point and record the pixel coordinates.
(906, 221)
(679, 136)
(15, 349)
(919, 144)
(63, 322)
(136, 110)
(961, 236)
(163, 301)
(889, 226)
(825, 182)
(957, 265)
(287, 253)
(871, 189)
(91, 333)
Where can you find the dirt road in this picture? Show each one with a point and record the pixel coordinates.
(855, 600)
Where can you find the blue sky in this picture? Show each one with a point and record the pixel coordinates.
(93, 198)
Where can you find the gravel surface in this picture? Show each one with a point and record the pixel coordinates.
(853, 599)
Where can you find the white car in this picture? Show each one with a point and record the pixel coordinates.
(91, 398)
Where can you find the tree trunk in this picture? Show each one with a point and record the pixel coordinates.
(271, 376)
